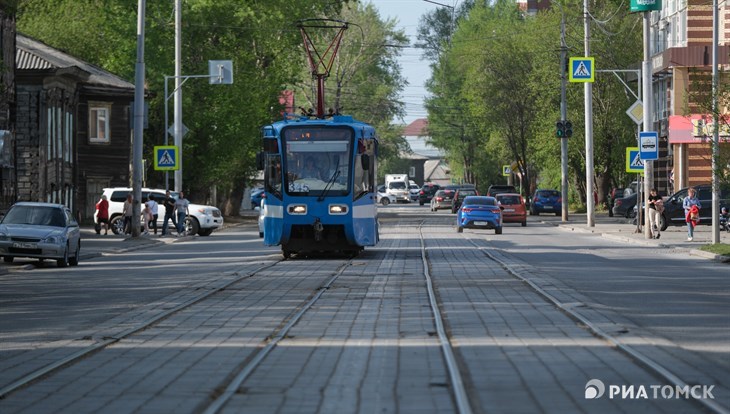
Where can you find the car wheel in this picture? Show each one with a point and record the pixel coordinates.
(384, 201)
(63, 262)
(74, 261)
(286, 254)
(664, 222)
(191, 226)
(420, 203)
(498, 230)
(117, 225)
(459, 229)
(557, 214)
(8, 259)
(524, 224)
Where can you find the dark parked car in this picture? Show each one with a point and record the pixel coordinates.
(427, 192)
(459, 196)
(546, 201)
(621, 203)
(674, 212)
(624, 206)
(479, 212)
(495, 189)
(615, 194)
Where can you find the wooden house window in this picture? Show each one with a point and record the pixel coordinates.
(99, 121)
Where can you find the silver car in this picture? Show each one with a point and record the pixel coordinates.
(41, 231)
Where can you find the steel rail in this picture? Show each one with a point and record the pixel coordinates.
(250, 367)
(31, 377)
(462, 399)
(651, 365)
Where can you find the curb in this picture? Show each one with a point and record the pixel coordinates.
(626, 239)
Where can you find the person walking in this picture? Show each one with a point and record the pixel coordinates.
(169, 204)
(181, 206)
(154, 209)
(102, 216)
(127, 213)
(692, 206)
(656, 206)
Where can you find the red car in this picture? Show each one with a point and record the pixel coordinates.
(514, 208)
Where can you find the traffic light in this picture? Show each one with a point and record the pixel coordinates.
(564, 129)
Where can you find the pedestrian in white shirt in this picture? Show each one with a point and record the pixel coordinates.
(153, 207)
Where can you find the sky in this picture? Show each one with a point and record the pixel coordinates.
(416, 71)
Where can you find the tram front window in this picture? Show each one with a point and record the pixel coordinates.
(317, 161)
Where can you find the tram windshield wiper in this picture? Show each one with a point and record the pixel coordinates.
(329, 185)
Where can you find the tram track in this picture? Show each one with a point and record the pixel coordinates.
(107, 341)
(650, 365)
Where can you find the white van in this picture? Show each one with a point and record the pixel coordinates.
(397, 185)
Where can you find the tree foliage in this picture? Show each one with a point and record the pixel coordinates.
(496, 92)
(264, 44)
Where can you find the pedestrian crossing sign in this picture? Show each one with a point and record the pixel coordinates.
(582, 69)
(634, 163)
(166, 158)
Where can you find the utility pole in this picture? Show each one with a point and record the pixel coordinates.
(139, 74)
(563, 118)
(648, 126)
(177, 102)
(588, 97)
(716, 129)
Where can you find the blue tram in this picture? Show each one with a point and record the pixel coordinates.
(320, 185)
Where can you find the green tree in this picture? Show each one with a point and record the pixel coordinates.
(259, 37)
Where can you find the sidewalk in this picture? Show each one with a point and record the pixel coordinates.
(95, 245)
(620, 229)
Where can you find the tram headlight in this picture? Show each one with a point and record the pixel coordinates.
(298, 209)
(338, 209)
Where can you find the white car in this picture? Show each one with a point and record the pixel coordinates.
(261, 219)
(414, 189)
(384, 198)
(202, 220)
(40, 231)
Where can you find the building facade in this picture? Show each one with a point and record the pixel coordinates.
(681, 48)
(7, 108)
(73, 134)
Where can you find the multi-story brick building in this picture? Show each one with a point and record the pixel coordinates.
(681, 48)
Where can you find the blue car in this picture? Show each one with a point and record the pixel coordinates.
(256, 195)
(479, 212)
(546, 201)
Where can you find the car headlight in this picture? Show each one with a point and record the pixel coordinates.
(54, 239)
(4, 237)
(204, 211)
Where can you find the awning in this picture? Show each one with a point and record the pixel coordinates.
(696, 128)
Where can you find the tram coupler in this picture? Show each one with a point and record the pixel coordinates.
(318, 230)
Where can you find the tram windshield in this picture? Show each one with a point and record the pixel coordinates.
(317, 160)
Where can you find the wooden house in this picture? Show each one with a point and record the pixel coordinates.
(73, 133)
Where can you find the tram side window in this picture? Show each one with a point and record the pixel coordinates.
(273, 174)
(364, 174)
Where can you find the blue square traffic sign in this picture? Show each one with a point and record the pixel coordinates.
(581, 69)
(649, 145)
(166, 158)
